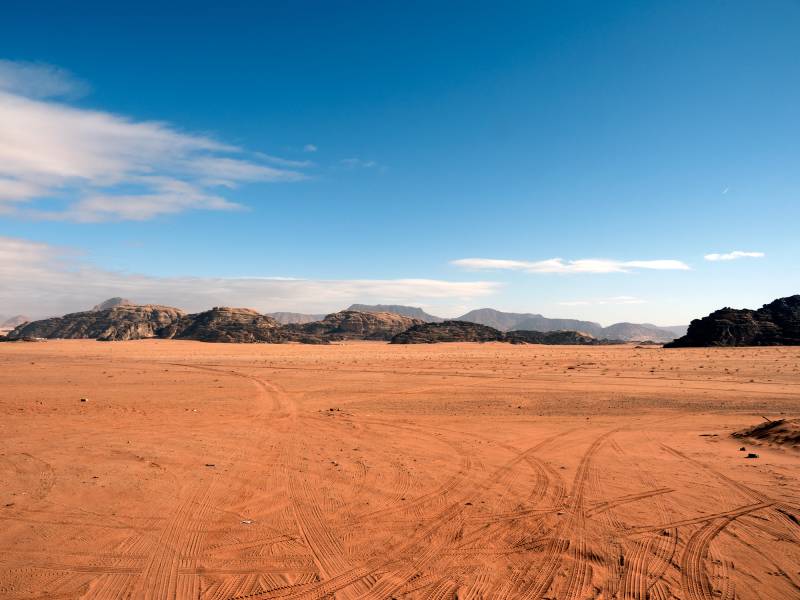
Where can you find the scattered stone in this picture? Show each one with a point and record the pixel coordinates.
(751, 455)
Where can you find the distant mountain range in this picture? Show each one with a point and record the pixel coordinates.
(509, 321)
(293, 318)
(12, 322)
(629, 332)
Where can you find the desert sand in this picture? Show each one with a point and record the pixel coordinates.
(366, 470)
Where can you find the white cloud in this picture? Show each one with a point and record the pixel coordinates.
(559, 265)
(736, 254)
(38, 80)
(98, 165)
(310, 148)
(604, 301)
(39, 279)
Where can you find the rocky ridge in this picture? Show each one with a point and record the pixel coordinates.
(448, 331)
(407, 311)
(224, 324)
(465, 331)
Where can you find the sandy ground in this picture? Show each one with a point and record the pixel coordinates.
(374, 471)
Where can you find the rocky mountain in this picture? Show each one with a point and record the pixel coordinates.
(119, 323)
(288, 318)
(398, 309)
(556, 338)
(223, 324)
(495, 318)
(448, 331)
(12, 322)
(354, 325)
(540, 323)
(113, 303)
(629, 332)
(634, 332)
(774, 324)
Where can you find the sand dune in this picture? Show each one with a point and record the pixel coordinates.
(369, 470)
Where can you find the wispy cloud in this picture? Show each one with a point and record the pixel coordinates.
(358, 163)
(100, 166)
(40, 279)
(39, 80)
(310, 148)
(736, 254)
(559, 265)
(604, 301)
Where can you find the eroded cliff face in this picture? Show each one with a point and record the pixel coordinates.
(119, 323)
(224, 324)
(448, 331)
(774, 324)
(355, 325)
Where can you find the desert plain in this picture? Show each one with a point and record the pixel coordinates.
(183, 470)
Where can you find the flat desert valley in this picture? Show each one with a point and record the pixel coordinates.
(368, 470)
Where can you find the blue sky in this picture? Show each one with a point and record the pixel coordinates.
(305, 155)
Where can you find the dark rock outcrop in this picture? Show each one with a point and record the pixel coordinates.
(464, 331)
(223, 324)
(782, 432)
(448, 331)
(557, 338)
(774, 324)
(398, 309)
(120, 323)
(354, 325)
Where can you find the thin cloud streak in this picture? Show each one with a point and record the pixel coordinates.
(559, 265)
(735, 255)
(624, 300)
(40, 280)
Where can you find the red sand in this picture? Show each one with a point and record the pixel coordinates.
(374, 471)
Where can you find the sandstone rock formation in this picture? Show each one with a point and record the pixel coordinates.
(398, 309)
(120, 323)
(774, 324)
(448, 331)
(223, 324)
(555, 338)
(354, 325)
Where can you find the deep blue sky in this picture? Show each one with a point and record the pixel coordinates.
(630, 131)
